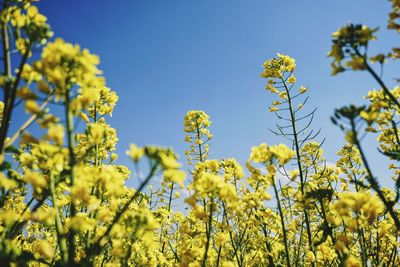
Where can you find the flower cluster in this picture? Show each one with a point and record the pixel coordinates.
(347, 44)
(196, 125)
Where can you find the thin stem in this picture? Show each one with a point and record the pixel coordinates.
(70, 140)
(298, 159)
(96, 247)
(59, 228)
(27, 123)
(377, 78)
(169, 209)
(371, 179)
(10, 92)
(282, 223)
(208, 230)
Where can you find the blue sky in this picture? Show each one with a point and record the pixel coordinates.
(167, 57)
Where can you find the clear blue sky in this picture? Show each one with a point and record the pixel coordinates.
(167, 57)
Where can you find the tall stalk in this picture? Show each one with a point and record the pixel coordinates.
(70, 140)
(281, 215)
(298, 159)
(11, 84)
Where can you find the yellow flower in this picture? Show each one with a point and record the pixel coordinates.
(32, 107)
(32, 11)
(292, 79)
(81, 223)
(221, 238)
(228, 264)
(352, 261)
(21, 45)
(6, 183)
(37, 180)
(169, 161)
(273, 109)
(272, 89)
(56, 133)
(303, 89)
(44, 249)
(174, 175)
(80, 192)
(284, 153)
(369, 116)
(84, 117)
(283, 95)
(293, 174)
(274, 68)
(260, 153)
(196, 118)
(113, 157)
(310, 256)
(356, 63)
(135, 152)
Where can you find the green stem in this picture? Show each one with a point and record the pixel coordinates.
(218, 256)
(169, 209)
(282, 223)
(59, 228)
(373, 182)
(27, 123)
(231, 236)
(199, 145)
(298, 159)
(10, 91)
(70, 140)
(377, 78)
(361, 242)
(208, 233)
(97, 247)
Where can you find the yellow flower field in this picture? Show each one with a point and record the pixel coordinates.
(65, 202)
